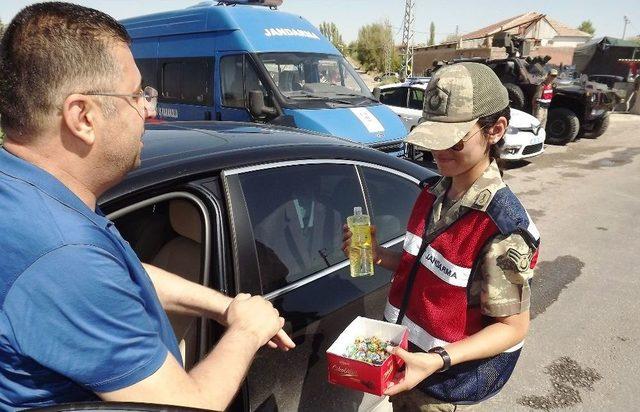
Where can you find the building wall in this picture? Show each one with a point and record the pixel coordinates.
(568, 41)
(542, 31)
(424, 58)
(559, 55)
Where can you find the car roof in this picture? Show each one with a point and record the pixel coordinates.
(175, 151)
(414, 85)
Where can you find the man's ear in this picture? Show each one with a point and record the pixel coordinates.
(79, 113)
(497, 131)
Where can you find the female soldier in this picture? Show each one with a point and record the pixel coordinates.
(461, 284)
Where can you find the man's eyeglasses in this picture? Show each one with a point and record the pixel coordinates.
(149, 94)
(460, 145)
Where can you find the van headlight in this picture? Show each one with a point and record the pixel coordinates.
(512, 130)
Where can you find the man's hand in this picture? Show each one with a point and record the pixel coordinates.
(418, 367)
(257, 317)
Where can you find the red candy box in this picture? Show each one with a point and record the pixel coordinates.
(361, 375)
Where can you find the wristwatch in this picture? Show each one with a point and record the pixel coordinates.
(444, 355)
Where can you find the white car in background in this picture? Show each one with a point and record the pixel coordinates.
(524, 137)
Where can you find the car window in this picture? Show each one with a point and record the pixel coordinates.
(389, 217)
(238, 77)
(394, 97)
(416, 98)
(296, 214)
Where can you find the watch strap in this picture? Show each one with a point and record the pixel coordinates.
(446, 359)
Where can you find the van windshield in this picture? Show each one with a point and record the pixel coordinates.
(313, 76)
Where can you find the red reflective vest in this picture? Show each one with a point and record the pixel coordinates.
(547, 94)
(437, 312)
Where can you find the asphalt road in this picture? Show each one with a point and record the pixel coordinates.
(583, 349)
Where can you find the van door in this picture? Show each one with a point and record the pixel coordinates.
(238, 76)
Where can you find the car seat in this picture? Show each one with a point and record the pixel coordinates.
(182, 255)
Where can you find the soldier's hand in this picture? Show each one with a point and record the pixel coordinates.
(346, 242)
(419, 366)
(256, 318)
(346, 239)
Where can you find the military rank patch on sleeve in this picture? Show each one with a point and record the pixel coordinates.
(514, 260)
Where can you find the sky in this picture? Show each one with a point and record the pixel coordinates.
(350, 15)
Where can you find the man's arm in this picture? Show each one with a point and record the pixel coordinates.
(181, 296)
(212, 383)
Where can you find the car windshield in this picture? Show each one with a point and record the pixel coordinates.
(315, 76)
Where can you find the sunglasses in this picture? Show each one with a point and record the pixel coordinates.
(460, 145)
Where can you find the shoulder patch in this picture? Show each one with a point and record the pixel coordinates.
(510, 216)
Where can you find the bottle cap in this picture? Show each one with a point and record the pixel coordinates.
(357, 211)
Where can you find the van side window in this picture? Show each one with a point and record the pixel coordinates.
(148, 71)
(171, 81)
(186, 81)
(238, 77)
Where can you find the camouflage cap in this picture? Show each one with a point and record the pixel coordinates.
(456, 97)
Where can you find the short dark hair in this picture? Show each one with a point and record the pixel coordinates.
(51, 50)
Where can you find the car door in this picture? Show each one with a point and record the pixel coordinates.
(396, 99)
(290, 217)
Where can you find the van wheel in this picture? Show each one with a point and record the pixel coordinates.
(516, 96)
(562, 126)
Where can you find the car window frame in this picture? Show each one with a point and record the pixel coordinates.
(239, 215)
(207, 232)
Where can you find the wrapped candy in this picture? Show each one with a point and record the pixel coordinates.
(370, 350)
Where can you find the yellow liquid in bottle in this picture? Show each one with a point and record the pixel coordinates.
(360, 253)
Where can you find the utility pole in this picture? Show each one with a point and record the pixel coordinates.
(407, 38)
(624, 31)
(388, 49)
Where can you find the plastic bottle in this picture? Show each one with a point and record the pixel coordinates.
(360, 253)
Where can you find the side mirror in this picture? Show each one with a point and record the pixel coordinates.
(376, 93)
(256, 105)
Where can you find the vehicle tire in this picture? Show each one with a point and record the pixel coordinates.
(562, 126)
(516, 96)
(600, 127)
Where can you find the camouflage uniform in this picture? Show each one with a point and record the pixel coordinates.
(456, 97)
(501, 284)
(503, 288)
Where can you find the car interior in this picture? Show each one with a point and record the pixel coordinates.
(169, 235)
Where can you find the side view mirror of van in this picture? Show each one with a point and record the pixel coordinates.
(376, 93)
(256, 105)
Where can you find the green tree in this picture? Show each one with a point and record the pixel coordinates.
(373, 40)
(432, 34)
(331, 32)
(587, 27)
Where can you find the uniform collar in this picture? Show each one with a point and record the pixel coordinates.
(479, 195)
(14, 166)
